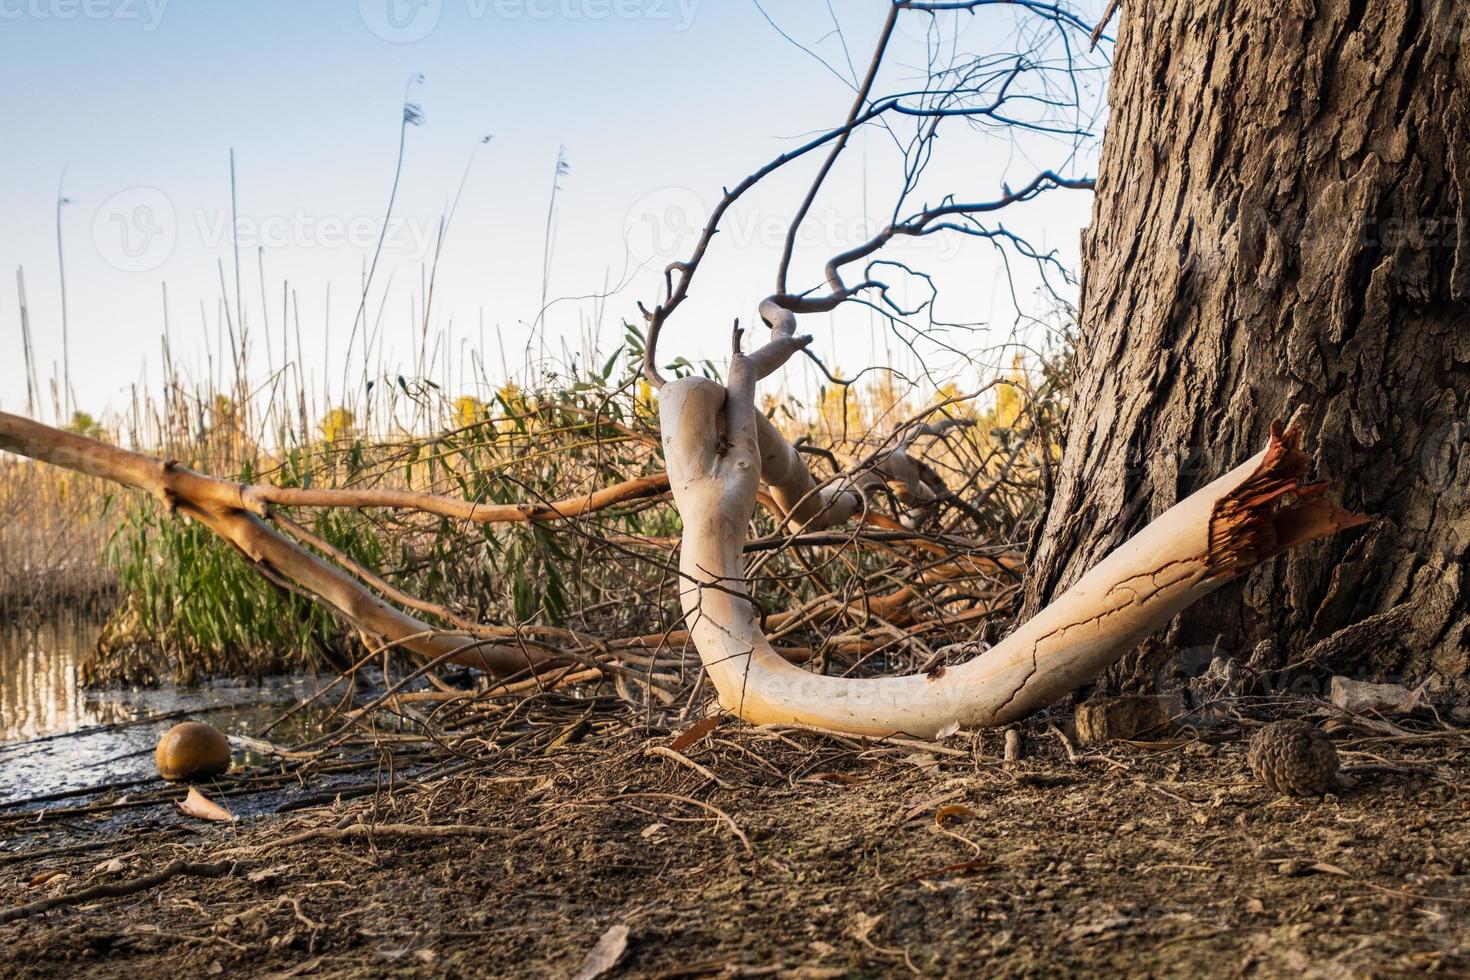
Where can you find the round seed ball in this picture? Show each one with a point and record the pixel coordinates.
(1293, 758)
(191, 751)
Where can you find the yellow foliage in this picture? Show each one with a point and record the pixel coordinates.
(644, 402)
(1010, 398)
(84, 425)
(885, 400)
(338, 425)
(842, 412)
(514, 399)
(960, 408)
(519, 407)
(468, 410)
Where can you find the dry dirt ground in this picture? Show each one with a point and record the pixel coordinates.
(757, 852)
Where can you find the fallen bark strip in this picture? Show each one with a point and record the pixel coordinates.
(118, 889)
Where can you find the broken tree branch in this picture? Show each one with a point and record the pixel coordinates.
(227, 509)
(715, 449)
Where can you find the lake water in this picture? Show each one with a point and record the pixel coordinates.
(56, 735)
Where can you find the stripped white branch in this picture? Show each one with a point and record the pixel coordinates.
(718, 448)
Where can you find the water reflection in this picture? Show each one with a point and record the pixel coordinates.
(55, 734)
(39, 688)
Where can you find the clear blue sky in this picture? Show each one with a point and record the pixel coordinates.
(659, 103)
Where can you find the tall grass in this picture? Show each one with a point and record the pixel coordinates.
(54, 527)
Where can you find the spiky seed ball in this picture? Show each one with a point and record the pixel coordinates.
(192, 751)
(1294, 758)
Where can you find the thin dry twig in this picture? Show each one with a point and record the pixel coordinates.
(119, 889)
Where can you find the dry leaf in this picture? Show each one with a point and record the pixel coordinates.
(952, 810)
(947, 731)
(694, 733)
(110, 867)
(196, 804)
(927, 806)
(50, 874)
(542, 785)
(605, 955)
(652, 829)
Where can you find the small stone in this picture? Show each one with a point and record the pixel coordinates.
(1361, 697)
(1104, 719)
(1294, 758)
(110, 867)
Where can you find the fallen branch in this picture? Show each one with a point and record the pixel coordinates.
(240, 514)
(642, 487)
(716, 449)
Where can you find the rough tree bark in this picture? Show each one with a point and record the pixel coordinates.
(1281, 220)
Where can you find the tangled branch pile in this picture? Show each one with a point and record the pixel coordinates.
(537, 524)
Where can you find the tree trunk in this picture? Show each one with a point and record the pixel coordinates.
(1281, 226)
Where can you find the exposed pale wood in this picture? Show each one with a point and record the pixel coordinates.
(714, 450)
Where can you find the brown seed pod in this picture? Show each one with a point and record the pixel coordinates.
(192, 751)
(1294, 758)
